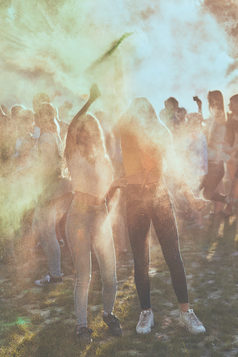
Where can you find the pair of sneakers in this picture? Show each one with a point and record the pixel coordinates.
(85, 334)
(187, 319)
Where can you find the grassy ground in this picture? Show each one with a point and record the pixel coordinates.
(40, 322)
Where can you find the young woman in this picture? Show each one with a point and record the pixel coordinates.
(218, 154)
(88, 223)
(216, 148)
(143, 141)
(232, 139)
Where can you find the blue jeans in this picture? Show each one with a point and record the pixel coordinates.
(89, 227)
(46, 216)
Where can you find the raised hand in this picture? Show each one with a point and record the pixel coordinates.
(94, 93)
(199, 103)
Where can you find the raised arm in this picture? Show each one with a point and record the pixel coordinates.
(94, 94)
(199, 104)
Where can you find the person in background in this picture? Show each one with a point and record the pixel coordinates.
(181, 117)
(196, 163)
(55, 196)
(168, 115)
(216, 148)
(64, 117)
(38, 99)
(218, 154)
(232, 138)
(7, 142)
(24, 121)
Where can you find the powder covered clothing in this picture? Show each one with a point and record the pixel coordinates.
(48, 166)
(232, 130)
(197, 154)
(143, 205)
(143, 155)
(144, 143)
(91, 178)
(217, 143)
(89, 227)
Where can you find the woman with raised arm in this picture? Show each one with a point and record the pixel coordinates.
(88, 224)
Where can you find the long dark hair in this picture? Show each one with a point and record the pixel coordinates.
(216, 105)
(215, 100)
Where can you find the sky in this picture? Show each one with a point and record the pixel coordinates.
(177, 48)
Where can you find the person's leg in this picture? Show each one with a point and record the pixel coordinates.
(79, 241)
(234, 195)
(232, 168)
(62, 206)
(104, 250)
(105, 253)
(221, 210)
(212, 180)
(119, 230)
(164, 222)
(44, 224)
(138, 223)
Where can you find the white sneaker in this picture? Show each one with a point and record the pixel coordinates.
(47, 280)
(189, 320)
(146, 321)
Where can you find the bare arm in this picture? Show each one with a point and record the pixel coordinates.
(94, 94)
(199, 104)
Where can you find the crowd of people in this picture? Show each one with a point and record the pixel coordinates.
(155, 166)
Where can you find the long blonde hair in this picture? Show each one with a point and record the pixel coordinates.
(95, 138)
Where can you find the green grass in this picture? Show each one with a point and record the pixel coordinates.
(40, 322)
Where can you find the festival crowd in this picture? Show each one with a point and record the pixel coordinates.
(156, 167)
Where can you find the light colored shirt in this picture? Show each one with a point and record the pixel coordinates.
(143, 150)
(91, 178)
(49, 157)
(197, 154)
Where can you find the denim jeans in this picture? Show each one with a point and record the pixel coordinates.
(46, 215)
(143, 205)
(89, 227)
